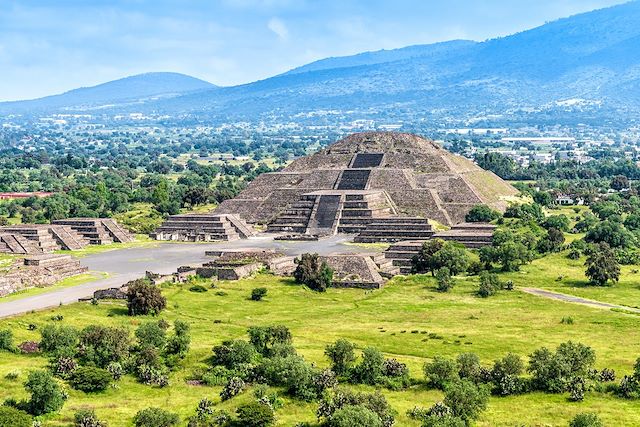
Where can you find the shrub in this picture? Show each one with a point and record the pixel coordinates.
(607, 375)
(586, 420)
(59, 340)
(144, 298)
(100, 345)
(232, 388)
(116, 370)
(341, 355)
(63, 366)
(505, 375)
(354, 416)
(266, 339)
(489, 284)
(12, 417)
(481, 213)
(6, 340)
(313, 273)
(342, 397)
(90, 379)
(369, 371)
(46, 394)
(198, 289)
(155, 417)
(179, 343)
(553, 372)
(232, 353)
(87, 418)
(440, 372)
(444, 280)
(258, 293)
(29, 347)
(255, 414)
(465, 399)
(291, 372)
(151, 334)
(468, 366)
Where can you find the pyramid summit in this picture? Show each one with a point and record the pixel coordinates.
(364, 177)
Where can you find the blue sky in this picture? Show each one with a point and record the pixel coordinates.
(48, 47)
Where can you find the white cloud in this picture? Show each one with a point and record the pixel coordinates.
(279, 28)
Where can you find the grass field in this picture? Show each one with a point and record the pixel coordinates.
(407, 320)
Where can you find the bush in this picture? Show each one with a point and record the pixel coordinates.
(481, 213)
(155, 417)
(468, 366)
(12, 417)
(198, 289)
(87, 418)
(144, 298)
(440, 372)
(90, 379)
(369, 371)
(151, 334)
(444, 280)
(258, 293)
(602, 266)
(489, 284)
(313, 273)
(59, 340)
(255, 414)
(100, 345)
(268, 339)
(354, 416)
(465, 399)
(232, 388)
(586, 420)
(293, 373)
(6, 340)
(505, 375)
(341, 355)
(553, 372)
(341, 397)
(46, 394)
(179, 343)
(233, 353)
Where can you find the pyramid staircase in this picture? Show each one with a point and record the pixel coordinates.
(98, 231)
(395, 229)
(400, 255)
(203, 228)
(15, 243)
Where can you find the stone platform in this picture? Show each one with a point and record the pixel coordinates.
(98, 231)
(203, 228)
(41, 238)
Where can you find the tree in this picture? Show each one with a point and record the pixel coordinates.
(178, 344)
(90, 379)
(6, 340)
(586, 420)
(46, 394)
(258, 293)
(505, 375)
(560, 222)
(466, 399)
(144, 298)
(552, 242)
(481, 213)
(619, 182)
(354, 416)
(440, 372)
(100, 345)
(602, 266)
(255, 414)
(511, 255)
(313, 273)
(58, 340)
(489, 284)
(151, 334)
(436, 254)
(267, 340)
(230, 354)
(155, 417)
(369, 370)
(444, 280)
(423, 261)
(497, 163)
(341, 355)
(12, 417)
(611, 233)
(554, 371)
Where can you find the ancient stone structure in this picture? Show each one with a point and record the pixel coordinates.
(98, 231)
(203, 228)
(40, 238)
(354, 271)
(356, 184)
(39, 270)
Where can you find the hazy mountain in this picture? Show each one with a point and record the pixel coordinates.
(134, 89)
(588, 62)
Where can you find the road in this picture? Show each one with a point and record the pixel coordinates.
(124, 265)
(576, 300)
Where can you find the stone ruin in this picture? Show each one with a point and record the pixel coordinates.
(66, 234)
(98, 231)
(203, 228)
(39, 271)
(374, 184)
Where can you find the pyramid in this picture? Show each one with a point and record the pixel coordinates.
(386, 175)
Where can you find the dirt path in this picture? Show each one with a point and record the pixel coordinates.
(576, 300)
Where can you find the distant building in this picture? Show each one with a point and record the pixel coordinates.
(23, 195)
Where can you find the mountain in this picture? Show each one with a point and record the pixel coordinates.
(129, 90)
(582, 68)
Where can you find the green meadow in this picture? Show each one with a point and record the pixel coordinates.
(407, 320)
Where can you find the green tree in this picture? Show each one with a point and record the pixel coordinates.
(440, 372)
(341, 355)
(466, 400)
(90, 379)
(481, 213)
(46, 394)
(354, 416)
(313, 273)
(255, 414)
(602, 266)
(144, 298)
(444, 280)
(586, 420)
(155, 417)
(12, 417)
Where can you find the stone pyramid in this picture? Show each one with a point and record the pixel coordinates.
(372, 174)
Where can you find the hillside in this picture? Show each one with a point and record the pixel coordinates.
(591, 57)
(133, 89)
